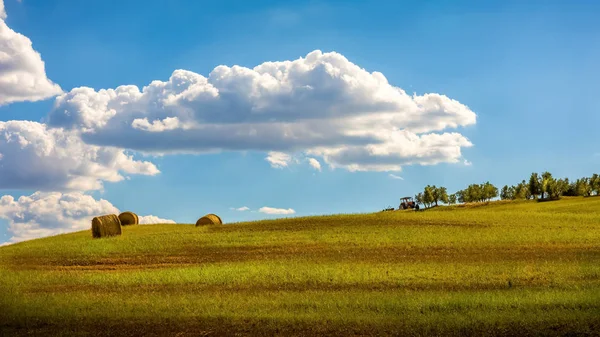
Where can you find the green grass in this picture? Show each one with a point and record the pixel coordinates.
(519, 268)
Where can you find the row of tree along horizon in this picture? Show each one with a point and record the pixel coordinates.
(540, 186)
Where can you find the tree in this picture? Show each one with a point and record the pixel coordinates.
(428, 197)
(460, 196)
(571, 189)
(564, 185)
(475, 193)
(419, 198)
(489, 191)
(469, 193)
(595, 183)
(580, 187)
(478, 193)
(521, 191)
(438, 194)
(534, 185)
(435, 194)
(507, 192)
(512, 192)
(452, 199)
(556, 187)
(546, 178)
(442, 194)
(586, 187)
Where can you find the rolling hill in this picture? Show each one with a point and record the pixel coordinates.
(516, 268)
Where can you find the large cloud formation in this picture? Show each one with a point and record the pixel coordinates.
(321, 105)
(35, 157)
(49, 213)
(22, 71)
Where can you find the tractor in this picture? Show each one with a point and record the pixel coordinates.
(408, 202)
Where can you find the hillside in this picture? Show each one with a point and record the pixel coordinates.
(523, 268)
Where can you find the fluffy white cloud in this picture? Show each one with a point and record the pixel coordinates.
(241, 209)
(314, 163)
(153, 219)
(278, 159)
(320, 105)
(2, 10)
(169, 123)
(50, 213)
(22, 71)
(467, 163)
(393, 176)
(271, 210)
(400, 148)
(33, 156)
(43, 214)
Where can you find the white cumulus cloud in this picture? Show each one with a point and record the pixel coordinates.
(271, 210)
(314, 164)
(49, 213)
(278, 159)
(240, 209)
(153, 219)
(22, 71)
(35, 157)
(169, 123)
(320, 105)
(2, 10)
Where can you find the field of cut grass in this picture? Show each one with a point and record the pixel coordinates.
(518, 268)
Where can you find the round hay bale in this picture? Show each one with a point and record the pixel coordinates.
(106, 225)
(129, 218)
(209, 219)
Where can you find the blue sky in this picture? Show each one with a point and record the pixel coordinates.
(528, 70)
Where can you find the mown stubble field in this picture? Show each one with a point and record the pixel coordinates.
(517, 268)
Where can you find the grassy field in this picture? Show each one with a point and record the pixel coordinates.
(518, 268)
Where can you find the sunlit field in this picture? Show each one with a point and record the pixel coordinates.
(506, 268)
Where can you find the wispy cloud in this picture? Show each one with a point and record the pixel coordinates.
(271, 210)
(240, 209)
(393, 176)
(278, 159)
(314, 163)
(467, 163)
